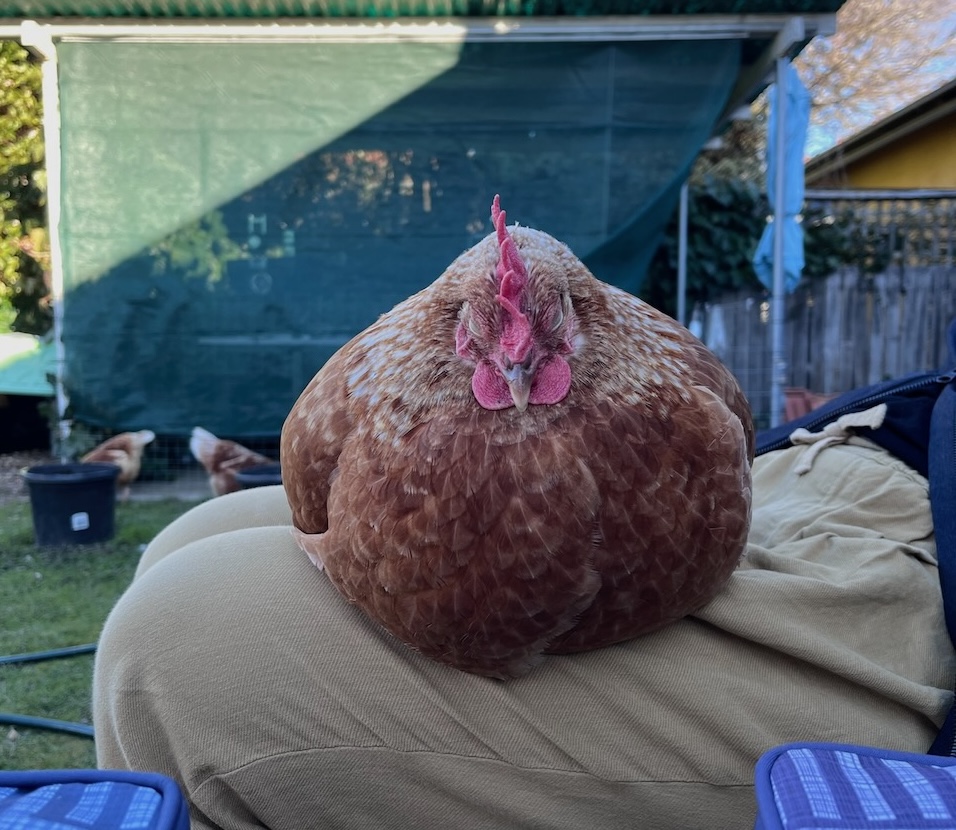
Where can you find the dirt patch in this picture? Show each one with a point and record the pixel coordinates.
(12, 485)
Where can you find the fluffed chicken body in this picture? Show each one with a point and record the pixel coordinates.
(521, 459)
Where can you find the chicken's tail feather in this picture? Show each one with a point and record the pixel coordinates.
(201, 444)
(145, 436)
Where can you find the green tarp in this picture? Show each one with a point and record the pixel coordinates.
(232, 213)
(27, 363)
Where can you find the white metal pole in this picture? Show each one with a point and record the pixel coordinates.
(682, 258)
(39, 39)
(778, 363)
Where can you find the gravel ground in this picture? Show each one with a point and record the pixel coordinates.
(12, 486)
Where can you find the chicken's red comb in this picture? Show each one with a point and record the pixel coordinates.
(510, 260)
(512, 278)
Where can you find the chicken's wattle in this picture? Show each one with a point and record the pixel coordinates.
(548, 385)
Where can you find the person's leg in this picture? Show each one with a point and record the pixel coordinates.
(258, 507)
(233, 665)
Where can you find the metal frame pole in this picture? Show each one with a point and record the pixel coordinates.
(778, 361)
(682, 258)
(40, 39)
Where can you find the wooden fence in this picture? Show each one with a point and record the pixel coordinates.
(845, 331)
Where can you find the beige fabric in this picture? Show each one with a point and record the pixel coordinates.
(232, 664)
(836, 432)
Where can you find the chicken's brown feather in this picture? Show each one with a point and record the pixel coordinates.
(665, 496)
(488, 560)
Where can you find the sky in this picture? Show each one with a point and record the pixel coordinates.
(909, 45)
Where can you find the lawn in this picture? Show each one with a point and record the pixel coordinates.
(53, 598)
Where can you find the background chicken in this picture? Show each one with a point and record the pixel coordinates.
(521, 459)
(126, 452)
(222, 459)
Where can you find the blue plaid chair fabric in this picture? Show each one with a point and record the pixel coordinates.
(811, 786)
(101, 799)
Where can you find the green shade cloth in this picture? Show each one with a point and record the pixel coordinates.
(25, 363)
(234, 212)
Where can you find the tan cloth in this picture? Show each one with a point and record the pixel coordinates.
(232, 664)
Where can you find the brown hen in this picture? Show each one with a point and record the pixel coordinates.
(520, 460)
(222, 459)
(124, 451)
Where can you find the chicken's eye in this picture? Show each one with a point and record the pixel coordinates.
(562, 311)
(465, 316)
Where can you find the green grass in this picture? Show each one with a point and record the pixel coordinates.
(52, 598)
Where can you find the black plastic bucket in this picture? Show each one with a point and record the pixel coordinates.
(261, 475)
(73, 504)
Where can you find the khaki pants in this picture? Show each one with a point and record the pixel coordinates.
(233, 665)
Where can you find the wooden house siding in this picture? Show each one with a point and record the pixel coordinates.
(925, 158)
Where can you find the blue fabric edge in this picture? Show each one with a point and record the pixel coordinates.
(768, 818)
(942, 489)
(173, 813)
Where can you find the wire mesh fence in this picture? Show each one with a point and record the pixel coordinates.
(882, 314)
(890, 227)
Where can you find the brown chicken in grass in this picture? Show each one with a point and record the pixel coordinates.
(521, 460)
(222, 459)
(124, 451)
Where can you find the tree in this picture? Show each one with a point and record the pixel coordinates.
(24, 250)
(884, 55)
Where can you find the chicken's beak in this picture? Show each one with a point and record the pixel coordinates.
(519, 379)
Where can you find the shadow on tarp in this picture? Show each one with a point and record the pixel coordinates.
(279, 254)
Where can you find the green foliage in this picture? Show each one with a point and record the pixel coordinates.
(727, 212)
(846, 237)
(24, 248)
(20, 140)
(56, 597)
(724, 222)
(725, 219)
